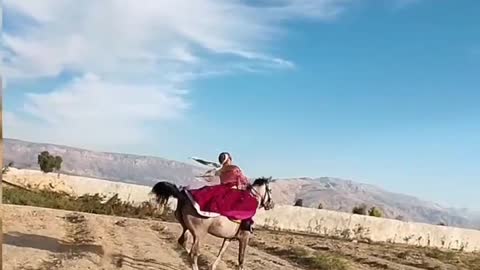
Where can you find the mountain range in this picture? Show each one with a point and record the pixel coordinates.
(331, 193)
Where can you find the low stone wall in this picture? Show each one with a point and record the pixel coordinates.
(366, 228)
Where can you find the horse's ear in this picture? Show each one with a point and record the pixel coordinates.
(271, 180)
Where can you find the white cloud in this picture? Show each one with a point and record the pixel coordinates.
(100, 36)
(324, 10)
(143, 54)
(92, 112)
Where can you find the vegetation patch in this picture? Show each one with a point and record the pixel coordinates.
(470, 260)
(95, 204)
(444, 256)
(307, 258)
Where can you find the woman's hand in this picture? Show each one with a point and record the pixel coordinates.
(209, 175)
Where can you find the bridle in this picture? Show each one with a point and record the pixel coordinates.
(266, 199)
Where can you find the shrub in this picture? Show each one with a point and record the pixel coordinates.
(325, 262)
(299, 202)
(314, 260)
(7, 167)
(360, 210)
(375, 212)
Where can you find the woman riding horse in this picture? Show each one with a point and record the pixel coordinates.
(227, 204)
(229, 198)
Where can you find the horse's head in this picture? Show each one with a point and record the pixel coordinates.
(262, 191)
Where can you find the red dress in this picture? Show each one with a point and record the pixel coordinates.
(228, 199)
(232, 176)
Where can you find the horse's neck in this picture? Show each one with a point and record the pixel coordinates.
(258, 192)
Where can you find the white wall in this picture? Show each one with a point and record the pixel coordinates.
(77, 185)
(366, 228)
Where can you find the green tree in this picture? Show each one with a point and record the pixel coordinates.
(58, 163)
(49, 163)
(375, 212)
(45, 162)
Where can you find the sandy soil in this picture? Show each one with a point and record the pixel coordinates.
(37, 238)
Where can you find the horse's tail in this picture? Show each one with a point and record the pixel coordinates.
(164, 190)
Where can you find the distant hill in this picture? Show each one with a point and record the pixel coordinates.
(343, 195)
(136, 169)
(333, 193)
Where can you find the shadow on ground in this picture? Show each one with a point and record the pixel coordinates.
(49, 244)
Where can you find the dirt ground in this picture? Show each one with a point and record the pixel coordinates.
(39, 238)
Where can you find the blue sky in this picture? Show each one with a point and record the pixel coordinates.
(381, 92)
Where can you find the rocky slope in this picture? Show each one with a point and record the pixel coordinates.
(332, 193)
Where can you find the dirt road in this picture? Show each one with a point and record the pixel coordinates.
(38, 238)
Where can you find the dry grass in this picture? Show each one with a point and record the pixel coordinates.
(95, 204)
(305, 257)
(468, 260)
(316, 252)
(441, 255)
(325, 262)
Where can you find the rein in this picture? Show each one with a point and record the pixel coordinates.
(257, 194)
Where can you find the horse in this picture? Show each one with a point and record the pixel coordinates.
(219, 226)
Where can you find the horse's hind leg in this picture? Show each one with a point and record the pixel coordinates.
(195, 252)
(220, 253)
(242, 247)
(183, 239)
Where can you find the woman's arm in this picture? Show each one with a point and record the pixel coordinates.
(242, 180)
(210, 175)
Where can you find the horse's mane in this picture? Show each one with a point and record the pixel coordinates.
(261, 181)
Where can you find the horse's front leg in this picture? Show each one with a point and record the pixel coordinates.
(220, 253)
(242, 248)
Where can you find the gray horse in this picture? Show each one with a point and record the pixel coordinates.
(219, 226)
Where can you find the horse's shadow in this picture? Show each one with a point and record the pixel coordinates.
(203, 263)
(50, 244)
(55, 245)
